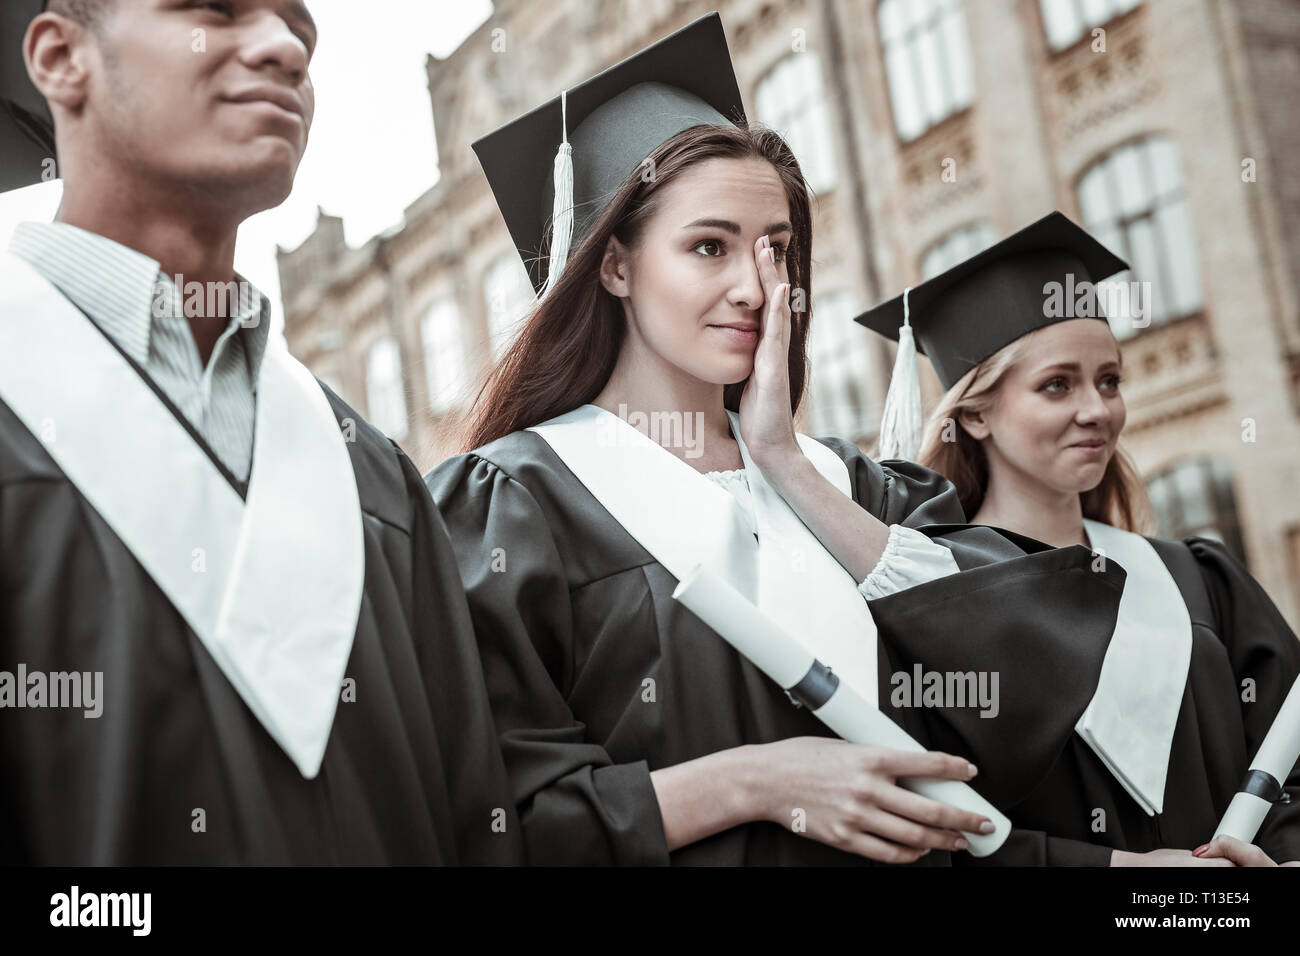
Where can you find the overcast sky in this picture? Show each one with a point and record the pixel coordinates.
(371, 151)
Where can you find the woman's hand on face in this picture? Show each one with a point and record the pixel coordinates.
(846, 795)
(766, 421)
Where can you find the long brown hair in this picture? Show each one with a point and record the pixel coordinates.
(1119, 499)
(569, 342)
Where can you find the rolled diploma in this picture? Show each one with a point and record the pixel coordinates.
(781, 657)
(1277, 755)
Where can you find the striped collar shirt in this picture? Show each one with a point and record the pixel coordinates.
(125, 293)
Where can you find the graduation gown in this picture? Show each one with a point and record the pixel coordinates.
(598, 677)
(177, 769)
(1073, 811)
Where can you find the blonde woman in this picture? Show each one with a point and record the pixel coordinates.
(1028, 432)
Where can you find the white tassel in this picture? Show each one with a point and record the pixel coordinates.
(562, 210)
(900, 426)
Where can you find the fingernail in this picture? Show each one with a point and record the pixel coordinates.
(1200, 849)
(987, 827)
(771, 255)
(961, 844)
(767, 243)
(971, 770)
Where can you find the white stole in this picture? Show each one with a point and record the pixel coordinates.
(1130, 721)
(272, 585)
(684, 519)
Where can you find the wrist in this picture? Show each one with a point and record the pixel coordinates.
(785, 468)
(748, 794)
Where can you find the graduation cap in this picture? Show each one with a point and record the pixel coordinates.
(966, 314)
(26, 126)
(563, 162)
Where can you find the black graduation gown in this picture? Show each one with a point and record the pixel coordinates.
(1237, 633)
(411, 771)
(598, 677)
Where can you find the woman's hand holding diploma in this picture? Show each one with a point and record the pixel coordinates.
(823, 788)
(1234, 850)
(845, 795)
(1221, 851)
(1163, 858)
(848, 789)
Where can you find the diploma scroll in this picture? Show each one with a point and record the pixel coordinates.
(841, 708)
(1268, 772)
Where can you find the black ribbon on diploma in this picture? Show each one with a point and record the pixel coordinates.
(815, 688)
(1264, 785)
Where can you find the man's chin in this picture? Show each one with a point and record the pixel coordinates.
(258, 185)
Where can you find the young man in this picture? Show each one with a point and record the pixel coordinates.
(231, 625)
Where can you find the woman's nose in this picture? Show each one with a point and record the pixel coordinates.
(747, 287)
(1094, 407)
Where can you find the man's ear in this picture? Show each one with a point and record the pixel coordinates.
(975, 423)
(55, 50)
(614, 268)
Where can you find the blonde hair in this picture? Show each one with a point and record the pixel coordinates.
(1119, 499)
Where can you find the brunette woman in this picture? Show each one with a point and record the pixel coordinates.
(643, 420)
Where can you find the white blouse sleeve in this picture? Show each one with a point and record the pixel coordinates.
(909, 559)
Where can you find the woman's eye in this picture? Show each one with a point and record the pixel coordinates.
(1112, 382)
(1057, 384)
(709, 242)
(223, 8)
(779, 248)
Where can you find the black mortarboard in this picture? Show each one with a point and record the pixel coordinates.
(614, 121)
(26, 126)
(962, 316)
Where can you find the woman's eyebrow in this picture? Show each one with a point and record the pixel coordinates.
(1074, 367)
(1058, 367)
(734, 228)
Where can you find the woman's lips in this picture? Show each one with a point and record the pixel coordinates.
(741, 335)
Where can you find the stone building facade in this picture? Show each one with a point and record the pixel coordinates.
(927, 129)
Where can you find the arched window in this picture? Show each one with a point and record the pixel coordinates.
(1067, 20)
(385, 390)
(956, 246)
(790, 100)
(444, 356)
(927, 59)
(507, 294)
(1133, 201)
(1196, 498)
(839, 362)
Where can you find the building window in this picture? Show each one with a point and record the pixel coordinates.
(790, 100)
(444, 356)
(1132, 201)
(927, 60)
(956, 246)
(1067, 20)
(839, 359)
(507, 293)
(1196, 498)
(385, 391)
